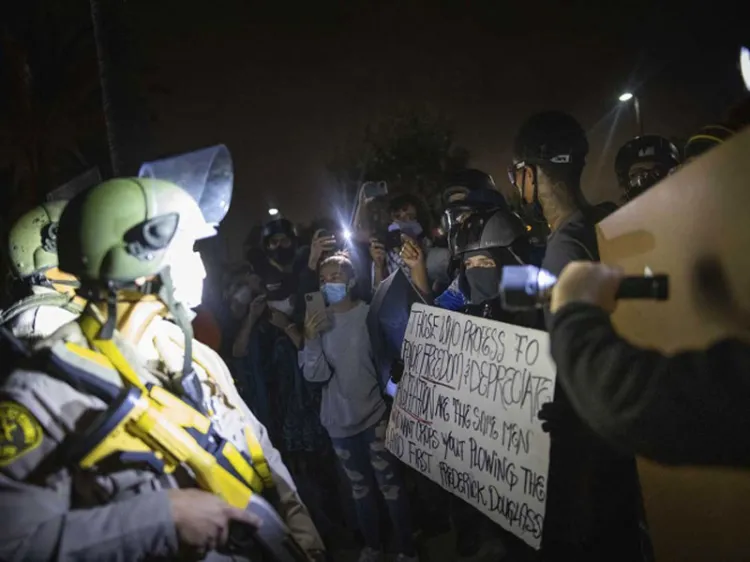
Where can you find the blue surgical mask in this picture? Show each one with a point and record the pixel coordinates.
(335, 292)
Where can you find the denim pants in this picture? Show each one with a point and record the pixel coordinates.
(366, 463)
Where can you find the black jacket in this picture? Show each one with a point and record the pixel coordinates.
(686, 409)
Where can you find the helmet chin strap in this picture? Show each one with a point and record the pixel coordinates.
(189, 384)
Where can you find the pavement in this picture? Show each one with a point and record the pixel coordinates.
(437, 549)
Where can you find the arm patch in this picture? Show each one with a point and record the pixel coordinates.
(20, 432)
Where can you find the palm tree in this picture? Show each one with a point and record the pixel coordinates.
(98, 19)
(124, 85)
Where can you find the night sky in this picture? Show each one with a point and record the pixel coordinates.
(285, 87)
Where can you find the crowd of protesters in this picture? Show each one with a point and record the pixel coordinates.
(296, 327)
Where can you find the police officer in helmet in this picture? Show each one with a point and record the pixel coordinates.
(43, 296)
(643, 162)
(130, 242)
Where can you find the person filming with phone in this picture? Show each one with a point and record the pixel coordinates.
(338, 354)
(404, 231)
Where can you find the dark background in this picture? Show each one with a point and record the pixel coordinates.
(285, 85)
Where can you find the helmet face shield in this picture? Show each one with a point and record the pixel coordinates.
(642, 178)
(206, 174)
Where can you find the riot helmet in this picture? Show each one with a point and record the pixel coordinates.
(487, 240)
(644, 161)
(138, 234)
(463, 182)
(32, 242)
(705, 139)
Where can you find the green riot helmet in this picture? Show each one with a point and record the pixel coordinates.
(131, 228)
(139, 233)
(128, 229)
(32, 242)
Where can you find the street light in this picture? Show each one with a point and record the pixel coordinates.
(745, 66)
(273, 211)
(626, 97)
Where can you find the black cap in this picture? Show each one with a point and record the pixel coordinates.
(278, 225)
(551, 136)
(648, 148)
(488, 228)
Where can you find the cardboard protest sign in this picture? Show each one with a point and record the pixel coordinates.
(694, 514)
(465, 414)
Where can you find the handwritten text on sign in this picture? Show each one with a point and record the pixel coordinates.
(465, 414)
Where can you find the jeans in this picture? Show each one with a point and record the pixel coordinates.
(366, 462)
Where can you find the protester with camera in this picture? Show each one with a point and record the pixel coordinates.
(338, 355)
(588, 517)
(406, 227)
(265, 367)
(683, 409)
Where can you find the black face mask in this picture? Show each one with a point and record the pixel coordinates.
(483, 283)
(282, 255)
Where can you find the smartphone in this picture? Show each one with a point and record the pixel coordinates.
(373, 189)
(392, 240)
(339, 236)
(314, 304)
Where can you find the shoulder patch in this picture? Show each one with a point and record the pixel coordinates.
(20, 432)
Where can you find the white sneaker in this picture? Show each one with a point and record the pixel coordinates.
(405, 558)
(370, 555)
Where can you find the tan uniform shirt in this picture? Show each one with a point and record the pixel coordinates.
(50, 511)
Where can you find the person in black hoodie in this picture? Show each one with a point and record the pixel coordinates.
(594, 504)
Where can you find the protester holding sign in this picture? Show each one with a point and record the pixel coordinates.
(338, 354)
(484, 242)
(466, 415)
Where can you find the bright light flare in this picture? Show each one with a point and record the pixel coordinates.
(273, 212)
(627, 96)
(347, 234)
(745, 66)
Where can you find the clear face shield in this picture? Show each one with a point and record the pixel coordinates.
(207, 176)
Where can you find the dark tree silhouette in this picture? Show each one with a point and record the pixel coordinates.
(413, 151)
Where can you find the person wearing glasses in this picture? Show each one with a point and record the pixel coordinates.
(593, 501)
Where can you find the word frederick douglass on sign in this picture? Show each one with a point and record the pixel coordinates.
(465, 414)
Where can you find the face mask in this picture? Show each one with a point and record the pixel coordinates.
(335, 292)
(282, 256)
(187, 276)
(483, 283)
(284, 306)
(243, 295)
(411, 228)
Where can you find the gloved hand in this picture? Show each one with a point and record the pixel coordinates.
(559, 419)
(397, 370)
